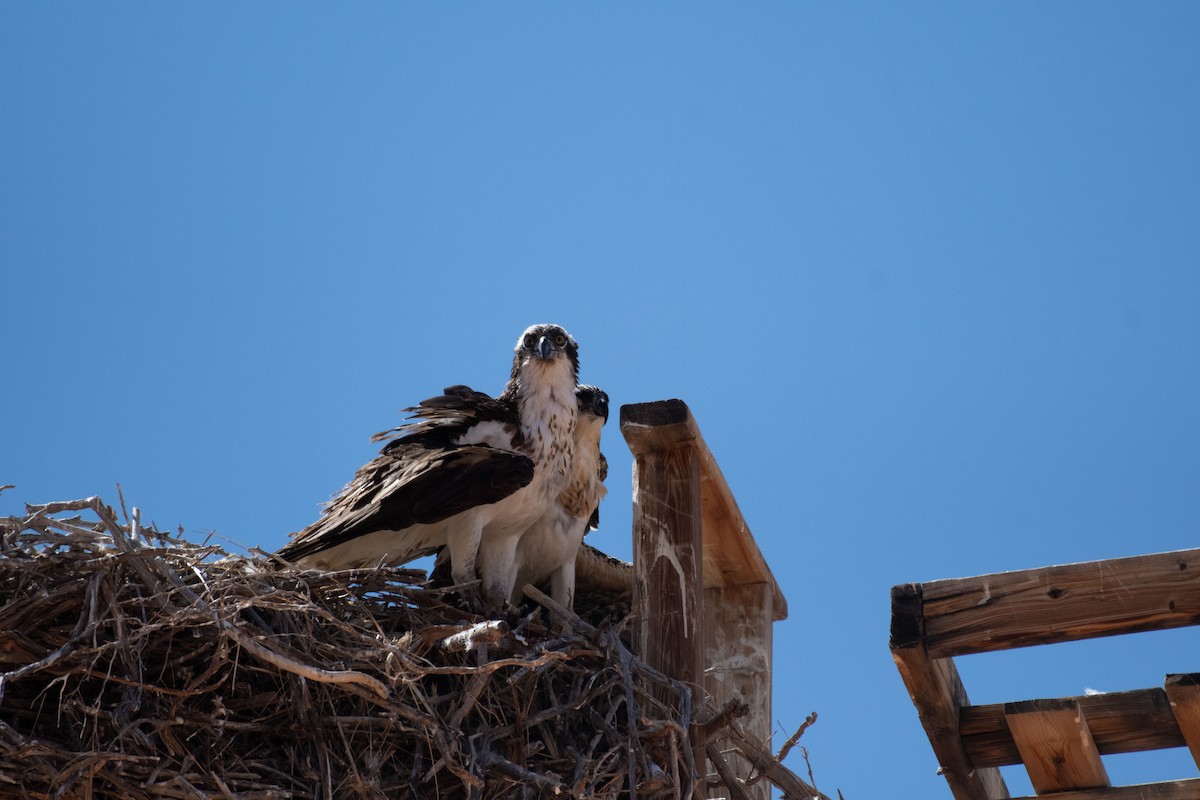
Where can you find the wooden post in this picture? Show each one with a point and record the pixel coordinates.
(703, 591)
(667, 548)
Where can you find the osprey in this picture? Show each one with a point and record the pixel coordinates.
(548, 548)
(468, 471)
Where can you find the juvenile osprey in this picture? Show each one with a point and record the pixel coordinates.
(469, 470)
(548, 548)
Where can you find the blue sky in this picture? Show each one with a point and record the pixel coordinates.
(927, 274)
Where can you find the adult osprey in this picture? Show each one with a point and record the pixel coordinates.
(548, 548)
(470, 470)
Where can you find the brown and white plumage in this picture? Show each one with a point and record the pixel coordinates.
(469, 472)
(547, 550)
(599, 573)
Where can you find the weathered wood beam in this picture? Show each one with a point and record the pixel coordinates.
(1056, 745)
(1183, 692)
(1120, 722)
(1167, 790)
(1062, 603)
(938, 693)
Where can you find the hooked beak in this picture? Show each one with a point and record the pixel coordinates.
(544, 349)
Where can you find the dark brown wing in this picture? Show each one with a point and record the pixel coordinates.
(410, 483)
(422, 476)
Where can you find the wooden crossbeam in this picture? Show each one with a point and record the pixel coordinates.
(1183, 692)
(1063, 603)
(1120, 722)
(1056, 745)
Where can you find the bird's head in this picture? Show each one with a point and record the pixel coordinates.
(593, 402)
(546, 346)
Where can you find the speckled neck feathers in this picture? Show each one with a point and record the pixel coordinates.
(585, 489)
(545, 397)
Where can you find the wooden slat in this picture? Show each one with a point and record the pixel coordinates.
(1183, 692)
(1062, 603)
(938, 693)
(1167, 790)
(1120, 722)
(1056, 745)
(731, 556)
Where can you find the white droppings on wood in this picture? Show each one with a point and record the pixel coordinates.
(663, 551)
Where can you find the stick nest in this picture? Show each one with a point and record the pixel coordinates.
(138, 665)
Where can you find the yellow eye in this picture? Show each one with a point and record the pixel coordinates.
(559, 339)
(530, 340)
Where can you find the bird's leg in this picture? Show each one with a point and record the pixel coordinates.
(463, 544)
(499, 571)
(562, 584)
(562, 591)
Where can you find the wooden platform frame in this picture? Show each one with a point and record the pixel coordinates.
(704, 596)
(1059, 741)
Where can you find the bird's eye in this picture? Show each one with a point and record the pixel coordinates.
(559, 339)
(530, 340)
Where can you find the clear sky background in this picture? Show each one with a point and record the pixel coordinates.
(928, 276)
